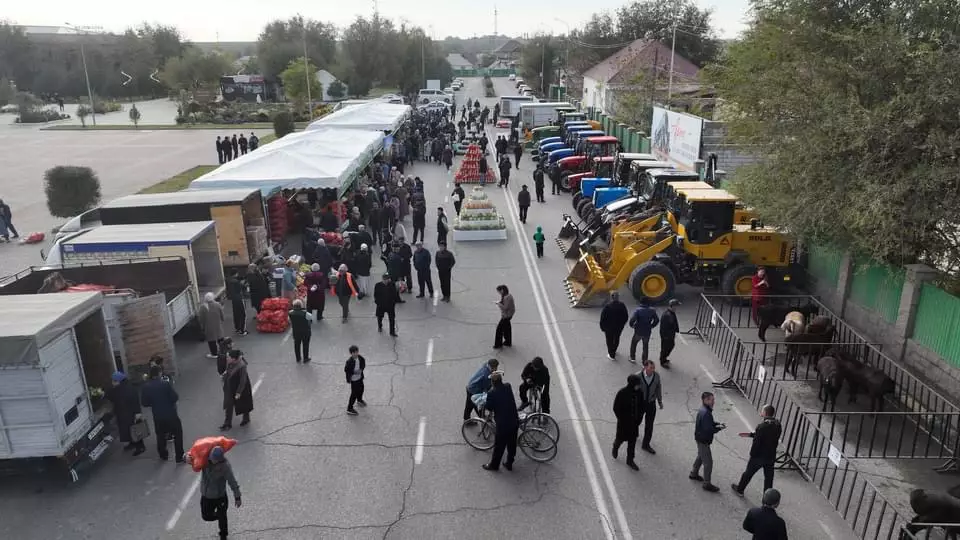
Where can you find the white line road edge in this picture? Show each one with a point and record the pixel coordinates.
(192, 490)
(550, 327)
(421, 434)
(430, 352)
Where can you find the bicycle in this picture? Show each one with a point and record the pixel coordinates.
(536, 417)
(536, 443)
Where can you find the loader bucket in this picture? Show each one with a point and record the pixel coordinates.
(569, 236)
(586, 284)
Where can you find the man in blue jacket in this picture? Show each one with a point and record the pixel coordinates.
(504, 407)
(421, 261)
(703, 431)
(162, 399)
(643, 321)
(478, 384)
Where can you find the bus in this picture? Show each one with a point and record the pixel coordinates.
(534, 115)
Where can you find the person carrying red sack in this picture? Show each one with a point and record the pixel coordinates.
(214, 478)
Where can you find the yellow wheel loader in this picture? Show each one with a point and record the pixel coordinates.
(696, 241)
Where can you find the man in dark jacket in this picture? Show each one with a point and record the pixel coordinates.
(482, 168)
(535, 374)
(259, 287)
(386, 298)
(328, 221)
(643, 321)
(763, 522)
(243, 144)
(421, 261)
(406, 256)
(395, 266)
(214, 478)
(226, 148)
(504, 166)
(500, 400)
(345, 289)
(484, 141)
(703, 431)
(322, 256)
(669, 328)
(363, 236)
(235, 144)
(162, 399)
(237, 390)
(419, 222)
(523, 202)
(353, 369)
(652, 391)
(219, 150)
(254, 141)
(500, 145)
(613, 318)
(360, 266)
(538, 184)
(763, 451)
(626, 407)
(442, 227)
(458, 197)
(235, 288)
(479, 383)
(126, 409)
(445, 262)
(517, 152)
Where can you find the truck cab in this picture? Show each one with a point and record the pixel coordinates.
(602, 167)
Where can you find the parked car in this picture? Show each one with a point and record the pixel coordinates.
(512, 77)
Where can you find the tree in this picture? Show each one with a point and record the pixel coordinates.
(16, 55)
(846, 102)
(71, 190)
(336, 90)
(195, 67)
(165, 42)
(7, 91)
(282, 41)
(537, 62)
(283, 124)
(135, 116)
(295, 78)
(368, 47)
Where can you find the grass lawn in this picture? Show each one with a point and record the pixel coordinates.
(165, 127)
(180, 181)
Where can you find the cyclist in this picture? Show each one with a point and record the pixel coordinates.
(535, 374)
(479, 383)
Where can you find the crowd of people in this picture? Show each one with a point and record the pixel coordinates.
(230, 148)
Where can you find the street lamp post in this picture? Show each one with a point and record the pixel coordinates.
(306, 67)
(566, 49)
(86, 74)
(673, 56)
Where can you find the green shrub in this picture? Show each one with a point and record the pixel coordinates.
(283, 124)
(104, 107)
(40, 116)
(71, 190)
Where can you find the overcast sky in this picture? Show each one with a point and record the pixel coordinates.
(241, 20)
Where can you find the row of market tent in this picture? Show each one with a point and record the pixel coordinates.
(330, 153)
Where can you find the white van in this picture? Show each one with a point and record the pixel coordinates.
(534, 115)
(427, 95)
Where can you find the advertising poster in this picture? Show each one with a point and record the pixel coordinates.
(676, 137)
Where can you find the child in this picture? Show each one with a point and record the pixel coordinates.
(539, 239)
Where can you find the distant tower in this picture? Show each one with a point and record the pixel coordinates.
(494, 20)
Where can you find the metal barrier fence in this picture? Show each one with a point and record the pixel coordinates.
(890, 435)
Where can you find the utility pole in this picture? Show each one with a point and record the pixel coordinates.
(673, 56)
(306, 67)
(543, 53)
(86, 74)
(423, 64)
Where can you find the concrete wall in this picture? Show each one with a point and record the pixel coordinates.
(730, 156)
(922, 362)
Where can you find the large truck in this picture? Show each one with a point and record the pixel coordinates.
(194, 241)
(55, 354)
(534, 115)
(239, 214)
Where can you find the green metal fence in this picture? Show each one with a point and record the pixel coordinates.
(877, 288)
(938, 317)
(824, 265)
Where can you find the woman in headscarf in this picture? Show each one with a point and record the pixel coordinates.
(448, 157)
(211, 323)
(316, 282)
(237, 390)
(126, 408)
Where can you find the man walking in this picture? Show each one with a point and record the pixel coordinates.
(523, 202)
(421, 262)
(160, 396)
(504, 166)
(235, 145)
(386, 298)
(517, 152)
(669, 328)
(235, 287)
(458, 196)
(345, 289)
(763, 451)
(703, 431)
(442, 227)
(613, 318)
(479, 383)
(353, 368)
(643, 321)
(214, 478)
(763, 522)
(652, 393)
(500, 400)
(6, 216)
(243, 145)
(445, 262)
(237, 390)
(361, 268)
(503, 337)
(538, 184)
(300, 322)
(626, 407)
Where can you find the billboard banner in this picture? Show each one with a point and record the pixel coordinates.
(676, 137)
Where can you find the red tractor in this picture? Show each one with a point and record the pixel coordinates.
(602, 168)
(582, 161)
(617, 169)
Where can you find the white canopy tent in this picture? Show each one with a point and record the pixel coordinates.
(329, 158)
(375, 115)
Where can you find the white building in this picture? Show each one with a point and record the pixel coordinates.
(325, 78)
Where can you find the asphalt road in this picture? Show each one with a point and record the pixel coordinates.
(400, 469)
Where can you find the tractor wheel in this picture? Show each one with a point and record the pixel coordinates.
(652, 280)
(565, 181)
(577, 197)
(737, 282)
(584, 207)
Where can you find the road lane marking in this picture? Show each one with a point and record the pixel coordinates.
(682, 339)
(286, 337)
(826, 529)
(436, 300)
(446, 199)
(430, 352)
(551, 327)
(421, 433)
(192, 490)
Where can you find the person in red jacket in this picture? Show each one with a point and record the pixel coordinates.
(758, 294)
